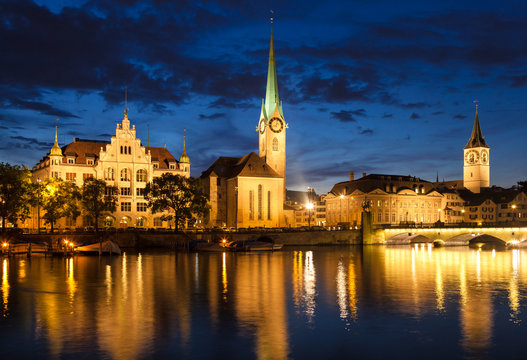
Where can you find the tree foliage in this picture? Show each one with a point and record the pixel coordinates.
(178, 194)
(98, 199)
(15, 193)
(59, 199)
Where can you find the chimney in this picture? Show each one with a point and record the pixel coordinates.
(363, 174)
(352, 176)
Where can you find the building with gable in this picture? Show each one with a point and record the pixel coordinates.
(122, 162)
(249, 191)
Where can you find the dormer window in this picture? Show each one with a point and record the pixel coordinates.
(71, 161)
(172, 166)
(156, 166)
(90, 161)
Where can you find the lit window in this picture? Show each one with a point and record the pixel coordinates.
(141, 175)
(125, 191)
(125, 175)
(141, 207)
(126, 206)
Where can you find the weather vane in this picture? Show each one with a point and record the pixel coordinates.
(476, 102)
(272, 12)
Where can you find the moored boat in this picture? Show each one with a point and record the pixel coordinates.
(107, 247)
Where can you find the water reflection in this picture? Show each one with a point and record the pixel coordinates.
(262, 305)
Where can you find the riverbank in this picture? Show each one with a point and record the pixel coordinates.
(145, 240)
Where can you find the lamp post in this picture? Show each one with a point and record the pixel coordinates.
(309, 207)
(513, 212)
(38, 206)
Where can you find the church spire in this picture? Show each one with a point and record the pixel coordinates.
(55, 150)
(184, 157)
(476, 139)
(271, 93)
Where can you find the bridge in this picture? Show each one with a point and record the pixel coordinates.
(451, 236)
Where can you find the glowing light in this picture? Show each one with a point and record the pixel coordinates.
(5, 287)
(224, 276)
(310, 286)
(341, 290)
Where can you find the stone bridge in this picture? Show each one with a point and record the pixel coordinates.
(452, 236)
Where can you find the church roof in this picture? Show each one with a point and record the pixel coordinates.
(250, 165)
(476, 139)
(371, 182)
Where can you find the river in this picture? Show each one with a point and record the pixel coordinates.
(371, 302)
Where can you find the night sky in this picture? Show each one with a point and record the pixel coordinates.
(367, 86)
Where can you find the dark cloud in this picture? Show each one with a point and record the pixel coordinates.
(415, 116)
(367, 132)
(211, 116)
(348, 115)
(41, 107)
(438, 112)
(460, 116)
(387, 115)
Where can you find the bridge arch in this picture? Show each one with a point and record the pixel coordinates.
(408, 238)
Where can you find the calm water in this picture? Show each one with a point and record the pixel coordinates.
(319, 303)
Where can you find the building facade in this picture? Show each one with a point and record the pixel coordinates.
(122, 162)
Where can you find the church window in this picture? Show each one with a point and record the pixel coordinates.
(251, 205)
(275, 144)
(141, 175)
(260, 202)
(109, 174)
(125, 175)
(268, 205)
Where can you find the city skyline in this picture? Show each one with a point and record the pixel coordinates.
(385, 90)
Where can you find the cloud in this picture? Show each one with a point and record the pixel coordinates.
(211, 116)
(348, 115)
(367, 132)
(460, 116)
(387, 115)
(415, 116)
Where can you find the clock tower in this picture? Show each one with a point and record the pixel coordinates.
(476, 169)
(272, 126)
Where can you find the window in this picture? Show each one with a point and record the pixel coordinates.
(125, 191)
(275, 144)
(109, 174)
(140, 191)
(172, 166)
(86, 176)
(155, 165)
(251, 205)
(218, 181)
(268, 205)
(126, 206)
(71, 161)
(386, 217)
(125, 175)
(109, 190)
(121, 149)
(158, 221)
(260, 204)
(55, 174)
(90, 161)
(393, 217)
(140, 222)
(141, 175)
(379, 217)
(141, 207)
(70, 222)
(71, 176)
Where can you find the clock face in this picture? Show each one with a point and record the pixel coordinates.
(262, 126)
(276, 125)
(472, 157)
(484, 156)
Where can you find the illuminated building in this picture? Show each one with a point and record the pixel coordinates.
(249, 190)
(122, 162)
(476, 167)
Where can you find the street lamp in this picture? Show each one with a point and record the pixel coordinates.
(513, 212)
(309, 207)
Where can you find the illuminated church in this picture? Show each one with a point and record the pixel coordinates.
(248, 191)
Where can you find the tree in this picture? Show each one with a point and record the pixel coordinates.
(59, 199)
(179, 194)
(98, 198)
(15, 193)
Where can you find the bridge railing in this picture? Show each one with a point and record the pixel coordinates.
(498, 224)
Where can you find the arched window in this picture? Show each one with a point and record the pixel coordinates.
(140, 175)
(121, 149)
(251, 205)
(268, 205)
(125, 176)
(275, 144)
(129, 149)
(109, 174)
(260, 202)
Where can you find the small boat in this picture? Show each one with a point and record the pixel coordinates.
(106, 248)
(204, 246)
(253, 245)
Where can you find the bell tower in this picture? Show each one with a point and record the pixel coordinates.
(476, 168)
(272, 126)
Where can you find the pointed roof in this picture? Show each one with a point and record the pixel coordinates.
(272, 100)
(184, 157)
(55, 150)
(476, 139)
(250, 165)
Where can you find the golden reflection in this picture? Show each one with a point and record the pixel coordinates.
(72, 285)
(298, 278)
(224, 276)
(310, 286)
(352, 291)
(22, 269)
(5, 287)
(439, 288)
(108, 283)
(124, 276)
(341, 290)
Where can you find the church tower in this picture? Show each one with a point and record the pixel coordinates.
(272, 127)
(476, 169)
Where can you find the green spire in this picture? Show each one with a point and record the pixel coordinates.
(476, 139)
(271, 93)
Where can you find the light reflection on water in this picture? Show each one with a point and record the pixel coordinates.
(298, 303)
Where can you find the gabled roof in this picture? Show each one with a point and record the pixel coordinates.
(476, 139)
(250, 165)
(369, 183)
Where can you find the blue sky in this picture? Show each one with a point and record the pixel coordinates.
(367, 86)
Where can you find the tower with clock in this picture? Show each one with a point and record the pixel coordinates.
(476, 169)
(272, 126)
